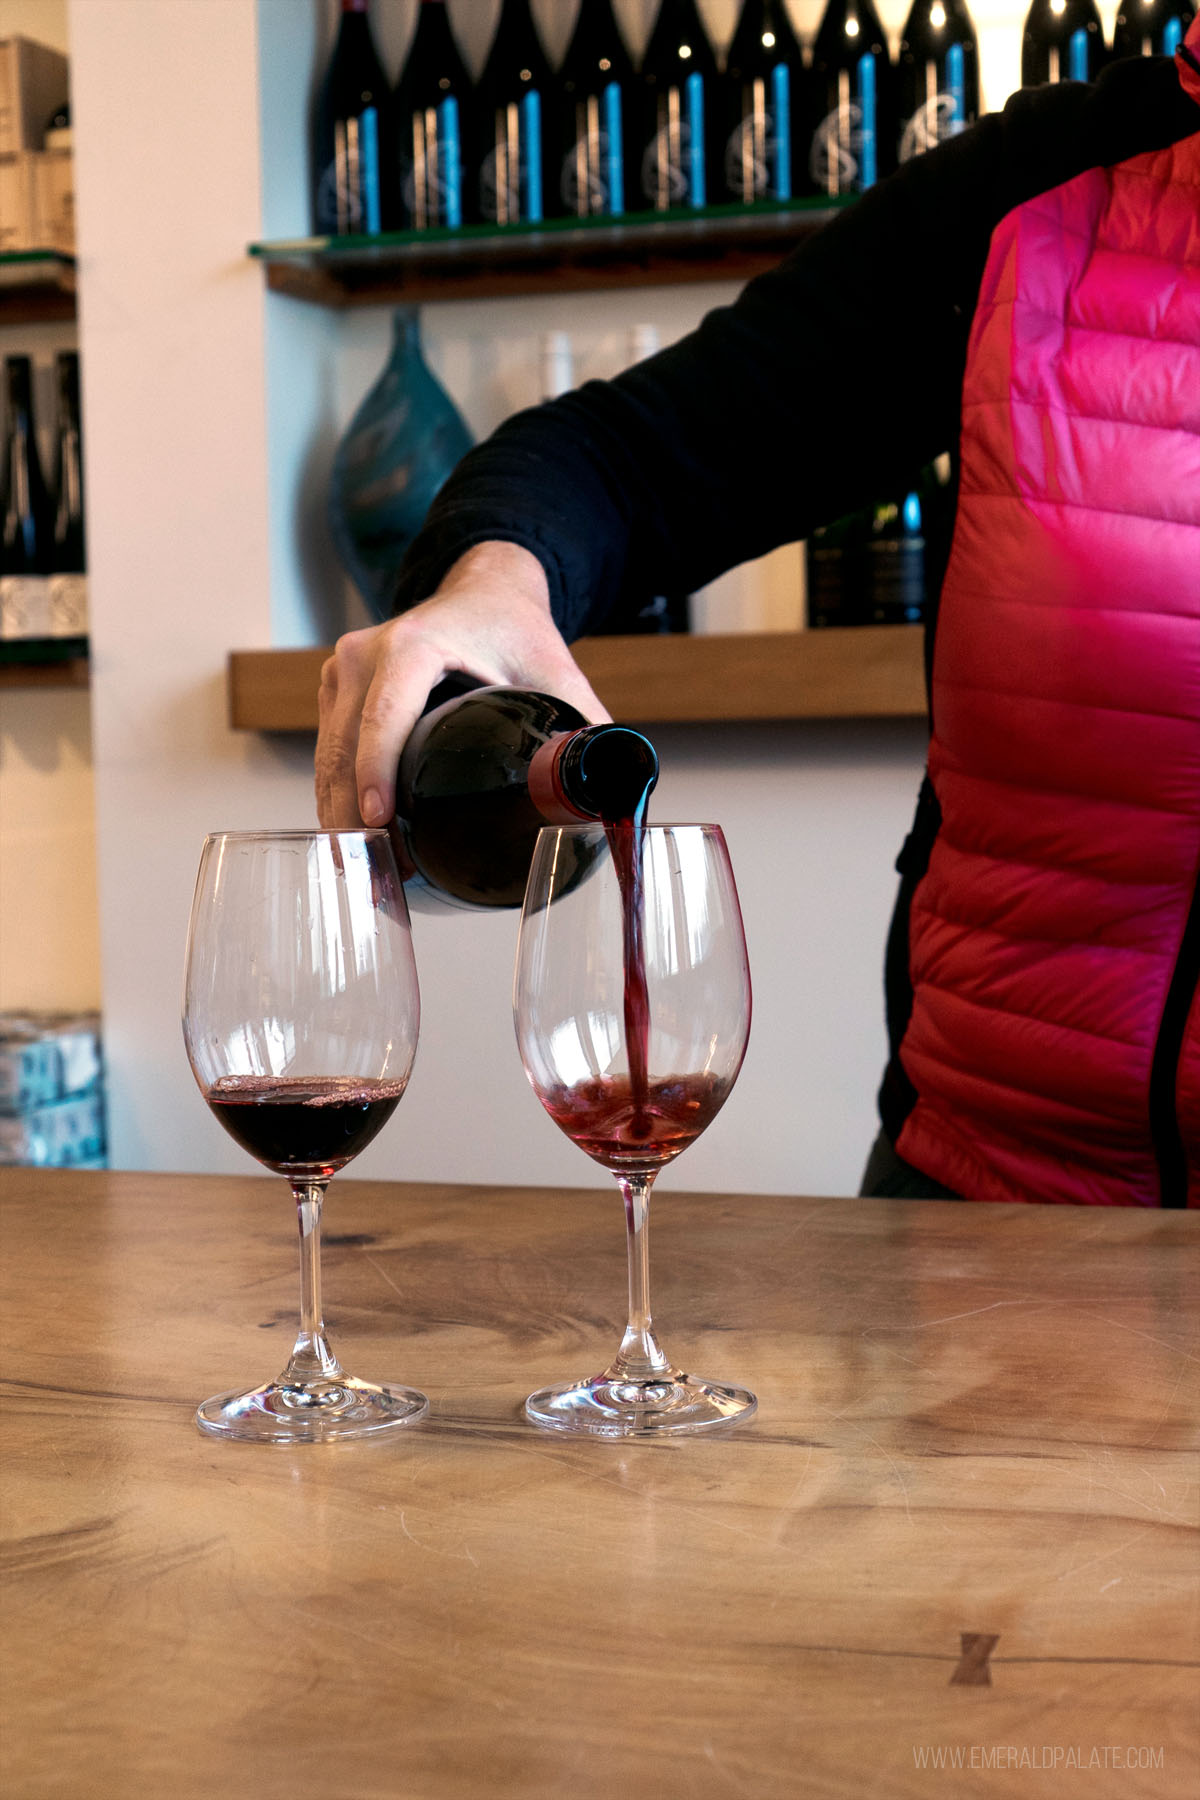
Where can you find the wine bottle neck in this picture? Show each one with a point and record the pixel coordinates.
(600, 772)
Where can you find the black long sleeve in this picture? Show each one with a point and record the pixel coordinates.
(831, 378)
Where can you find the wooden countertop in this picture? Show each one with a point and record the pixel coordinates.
(955, 1554)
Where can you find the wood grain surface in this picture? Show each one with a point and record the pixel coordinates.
(955, 1554)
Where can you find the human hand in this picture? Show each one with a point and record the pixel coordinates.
(490, 619)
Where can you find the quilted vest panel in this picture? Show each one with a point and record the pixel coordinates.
(1065, 746)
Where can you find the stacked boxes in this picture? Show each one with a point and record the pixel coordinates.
(37, 197)
(51, 1090)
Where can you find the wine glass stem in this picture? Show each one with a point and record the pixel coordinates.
(311, 1358)
(639, 1358)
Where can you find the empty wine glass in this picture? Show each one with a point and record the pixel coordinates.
(300, 1016)
(632, 1007)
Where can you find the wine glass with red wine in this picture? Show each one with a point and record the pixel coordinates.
(632, 1006)
(300, 1015)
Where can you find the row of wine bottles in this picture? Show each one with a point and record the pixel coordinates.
(601, 137)
(883, 564)
(43, 585)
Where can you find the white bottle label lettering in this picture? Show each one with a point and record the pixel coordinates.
(758, 154)
(929, 125)
(673, 166)
(68, 612)
(593, 176)
(24, 606)
(834, 160)
(510, 176)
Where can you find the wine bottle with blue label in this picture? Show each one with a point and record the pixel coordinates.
(1151, 27)
(763, 105)
(853, 142)
(350, 134)
(937, 75)
(596, 91)
(431, 105)
(1063, 40)
(510, 105)
(677, 146)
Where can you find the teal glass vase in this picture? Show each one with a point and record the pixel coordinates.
(403, 441)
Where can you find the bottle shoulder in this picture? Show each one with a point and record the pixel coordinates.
(499, 725)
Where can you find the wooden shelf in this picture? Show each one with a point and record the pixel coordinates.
(726, 244)
(870, 672)
(36, 285)
(44, 663)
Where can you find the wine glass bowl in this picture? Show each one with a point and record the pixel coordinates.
(301, 1016)
(632, 1008)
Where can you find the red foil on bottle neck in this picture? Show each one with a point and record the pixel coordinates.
(545, 783)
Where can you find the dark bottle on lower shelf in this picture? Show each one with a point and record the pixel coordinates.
(26, 513)
(1150, 27)
(485, 769)
(883, 564)
(835, 571)
(1063, 40)
(68, 554)
(429, 113)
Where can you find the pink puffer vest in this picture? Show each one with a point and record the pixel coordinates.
(1055, 1011)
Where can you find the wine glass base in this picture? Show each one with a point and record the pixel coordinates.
(310, 1412)
(607, 1406)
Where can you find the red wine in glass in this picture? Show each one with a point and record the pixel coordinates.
(632, 1007)
(637, 1127)
(301, 1015)
(301, 1125)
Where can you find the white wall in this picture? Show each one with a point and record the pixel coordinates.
(210, 409)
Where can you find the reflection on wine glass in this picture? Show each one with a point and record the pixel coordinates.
(632, 1007)
(300, 1016)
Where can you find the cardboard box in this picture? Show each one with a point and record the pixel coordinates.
(18, 224)
(52, 176)
(68, 1134)
(46, 1057)
(33, 84)
(37, 201)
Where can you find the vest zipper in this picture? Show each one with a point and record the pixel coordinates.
(1164, 1120)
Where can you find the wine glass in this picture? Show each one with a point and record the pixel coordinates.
(300, 1016)
(632, 1007)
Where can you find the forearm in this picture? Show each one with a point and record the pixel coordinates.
(769, 418)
